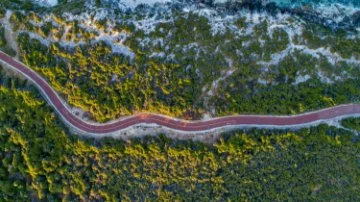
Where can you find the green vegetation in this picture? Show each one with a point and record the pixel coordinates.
(283, 98)
(316, 36)
(106, 84)
(2, 12)
(3, 43)
(70, 6)
(74, 6)
(112, 68)
(26, 5)
(2, 37)
(171, 73)
(18, 20)
(352, 123)
(40, 161)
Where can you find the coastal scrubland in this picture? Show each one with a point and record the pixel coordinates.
(40, 160)
(186, 65)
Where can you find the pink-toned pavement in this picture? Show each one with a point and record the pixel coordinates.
(180, 125)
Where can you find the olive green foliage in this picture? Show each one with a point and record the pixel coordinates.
(71, 6)
(18, 20)
(26, 5)
(2, 37)
(3, 43)
(315, 36)
(352, 123)
(108, 85)
(41, 161)
(2, 12)
(184, 68)
(284, 98)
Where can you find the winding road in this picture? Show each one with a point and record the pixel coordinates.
(180, 125)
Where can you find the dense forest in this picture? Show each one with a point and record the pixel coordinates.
(4, 46)
(172, 72)
(40, 160)
(168, 71)
(352, 123)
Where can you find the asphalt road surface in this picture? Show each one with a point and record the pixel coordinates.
(181, 125)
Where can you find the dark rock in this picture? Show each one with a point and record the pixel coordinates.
(355, 18)
(272, 8)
